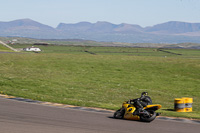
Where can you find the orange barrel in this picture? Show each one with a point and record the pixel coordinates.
(179, 105)
(188, 104)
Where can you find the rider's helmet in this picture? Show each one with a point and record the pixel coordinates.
(144, 94)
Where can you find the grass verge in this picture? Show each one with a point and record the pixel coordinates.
(101, 80)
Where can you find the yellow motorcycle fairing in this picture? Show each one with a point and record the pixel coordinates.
(129, 109)
(153, 106)
(129, 114)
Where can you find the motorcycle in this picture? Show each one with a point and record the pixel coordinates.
(147, 115)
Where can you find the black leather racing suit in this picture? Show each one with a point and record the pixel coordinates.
(141, 102)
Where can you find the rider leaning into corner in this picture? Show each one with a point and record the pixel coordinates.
(141, 102)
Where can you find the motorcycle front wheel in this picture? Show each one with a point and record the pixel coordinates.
(148, 118)
(119, 114)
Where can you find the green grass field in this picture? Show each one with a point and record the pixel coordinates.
(103, 76)
(4, 49)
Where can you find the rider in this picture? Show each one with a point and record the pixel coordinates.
(141, 102)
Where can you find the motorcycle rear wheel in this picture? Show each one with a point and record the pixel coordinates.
(149, 118)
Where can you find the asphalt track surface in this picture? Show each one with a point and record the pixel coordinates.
(23, 117)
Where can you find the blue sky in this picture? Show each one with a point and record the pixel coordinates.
(141, 12)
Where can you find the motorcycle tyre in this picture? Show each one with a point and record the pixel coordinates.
(119, 114)
(144, 119)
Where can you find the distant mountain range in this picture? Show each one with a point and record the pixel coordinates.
(169, 32)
